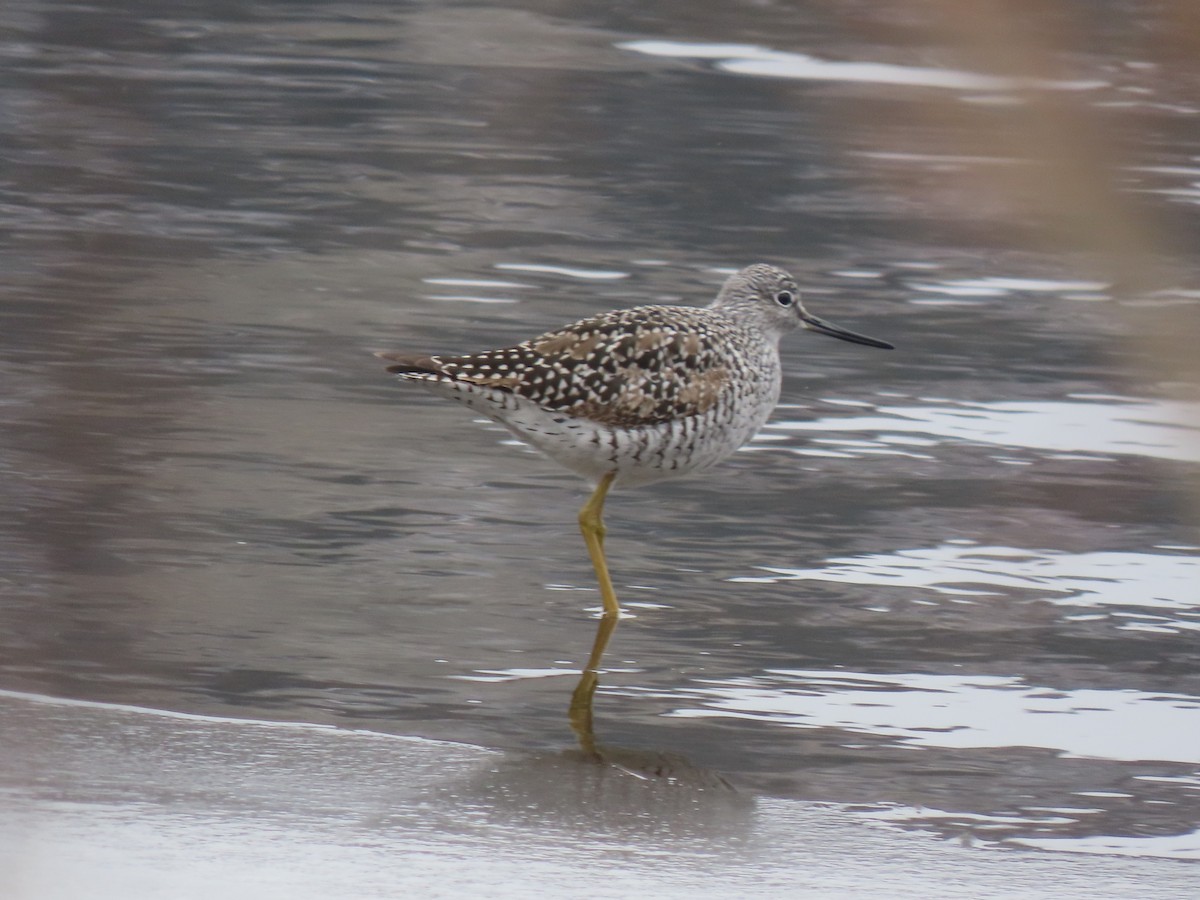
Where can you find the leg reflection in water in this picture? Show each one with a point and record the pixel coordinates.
(580, 713)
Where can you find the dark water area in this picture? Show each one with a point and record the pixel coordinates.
(955, 586)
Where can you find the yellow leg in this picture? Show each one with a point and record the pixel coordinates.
(591, 523)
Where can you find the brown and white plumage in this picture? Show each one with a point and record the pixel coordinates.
(644, 393)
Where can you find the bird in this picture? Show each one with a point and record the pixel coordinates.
(633, 396)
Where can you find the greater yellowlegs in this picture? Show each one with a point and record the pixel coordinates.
(636, 395)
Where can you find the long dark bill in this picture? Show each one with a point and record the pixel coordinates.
(812, 323)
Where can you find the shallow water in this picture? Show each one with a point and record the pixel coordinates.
(151, 803)
(952, 586)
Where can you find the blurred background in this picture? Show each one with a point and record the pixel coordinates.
(954, 586)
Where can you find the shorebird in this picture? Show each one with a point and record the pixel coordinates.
(633, 396)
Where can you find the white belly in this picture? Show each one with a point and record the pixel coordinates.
(639, 455)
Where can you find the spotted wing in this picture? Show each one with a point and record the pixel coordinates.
(626, 368)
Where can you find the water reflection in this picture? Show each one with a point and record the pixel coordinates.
(580, 713)
(1081, 424)
(1132, 582)
(214, 506)
(965, 711)
(746, 59)
(1175, 846)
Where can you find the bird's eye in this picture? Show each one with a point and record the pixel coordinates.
(785, 298)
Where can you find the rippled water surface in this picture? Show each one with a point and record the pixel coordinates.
(955, 586)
